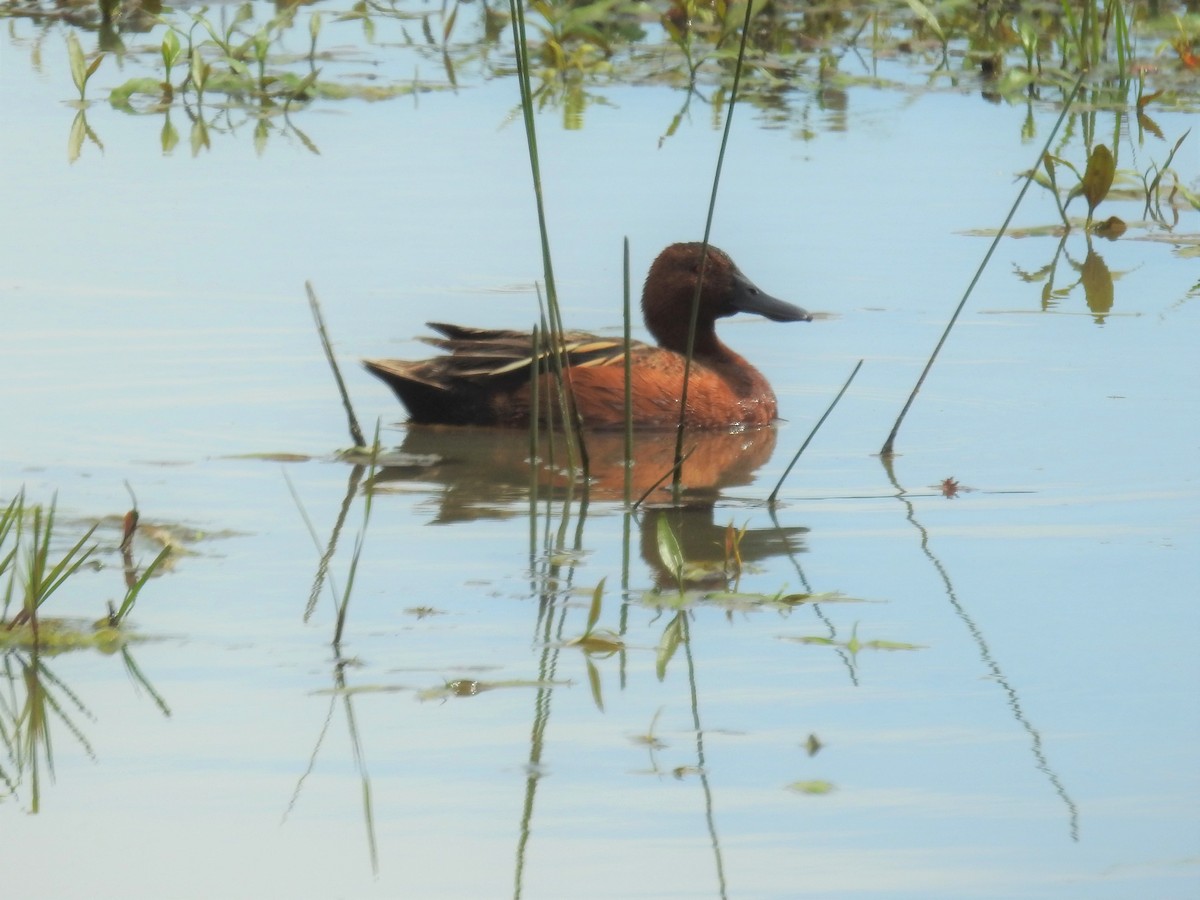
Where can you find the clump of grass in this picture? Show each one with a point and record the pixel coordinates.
(32, 575)
(39, 578)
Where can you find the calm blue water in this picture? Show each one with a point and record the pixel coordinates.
(1038, 744)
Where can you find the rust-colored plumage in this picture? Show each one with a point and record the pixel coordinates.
(483, 379)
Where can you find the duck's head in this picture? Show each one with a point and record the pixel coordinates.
(671, 285)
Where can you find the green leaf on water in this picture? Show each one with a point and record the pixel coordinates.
(1098, 177)
(119, 96)
(598, 642)
(814, 787)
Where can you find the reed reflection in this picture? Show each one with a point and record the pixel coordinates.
(483, 473)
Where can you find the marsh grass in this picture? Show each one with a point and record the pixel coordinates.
(888, 448)
(677, 477)
(244, 52)
(552, 321)
(33, 575)
(34, 701)
(40, 577)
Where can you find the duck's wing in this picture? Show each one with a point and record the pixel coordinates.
(481, 377)
(483, 353)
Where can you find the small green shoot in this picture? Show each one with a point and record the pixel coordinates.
(42, 578)
(81, 69)
(172, 53)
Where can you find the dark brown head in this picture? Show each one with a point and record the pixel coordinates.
(671, 286)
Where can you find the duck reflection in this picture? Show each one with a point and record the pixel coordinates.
(482, 473)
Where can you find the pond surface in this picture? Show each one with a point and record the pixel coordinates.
(909, 691)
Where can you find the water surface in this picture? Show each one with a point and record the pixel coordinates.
(1030, 735)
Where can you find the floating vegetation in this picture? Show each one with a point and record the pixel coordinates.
(231, 66)
(814, 787)
(469, 687)
(853, 645)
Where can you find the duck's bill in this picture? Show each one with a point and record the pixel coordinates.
(751, 299)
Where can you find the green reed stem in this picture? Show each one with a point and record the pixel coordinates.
(676, 484)
(889, 444)
(535, 340)
(628, 339)
(571, 417)
(521, 49)
(131, 594)
(356, 434)
(812, 434)
(555, 353)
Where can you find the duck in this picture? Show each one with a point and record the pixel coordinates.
(484, 376)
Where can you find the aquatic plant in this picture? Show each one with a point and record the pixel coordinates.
(799, 55)
(39, 577)
(33, 576)
(81, 69)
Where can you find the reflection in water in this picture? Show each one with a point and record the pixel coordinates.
(985, 654)
(32, 699)
(485, 473)
(1094, 277)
